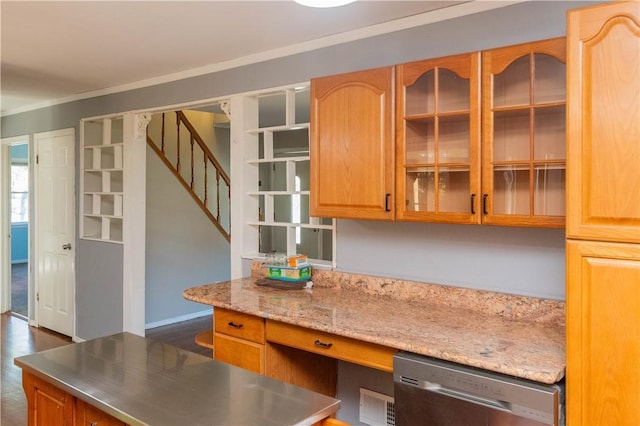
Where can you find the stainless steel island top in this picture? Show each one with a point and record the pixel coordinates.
(146, 382)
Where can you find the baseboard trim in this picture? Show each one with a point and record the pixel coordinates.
(180, 318)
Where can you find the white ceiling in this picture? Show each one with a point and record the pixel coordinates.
(54, 51)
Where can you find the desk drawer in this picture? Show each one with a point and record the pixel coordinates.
(238, 352)
(239, 325)
(331, 345)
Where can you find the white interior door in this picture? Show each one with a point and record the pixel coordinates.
(55, 231)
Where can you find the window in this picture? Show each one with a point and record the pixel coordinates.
(19, 193)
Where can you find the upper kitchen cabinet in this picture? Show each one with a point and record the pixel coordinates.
(438, 140)
(524, 137)
(352, 145)
(604, 123)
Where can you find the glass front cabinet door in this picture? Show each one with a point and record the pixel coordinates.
(438, 143)
(524, 138)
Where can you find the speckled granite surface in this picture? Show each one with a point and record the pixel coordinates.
(515, 335)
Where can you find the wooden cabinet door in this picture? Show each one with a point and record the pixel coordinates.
(46, 404)
(438, 140)
(523, 134)
(352, 147)
(603, 333)
(603, 181)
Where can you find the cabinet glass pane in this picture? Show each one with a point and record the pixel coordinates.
(419, 97)
(549, 83)
(453, 189)
(549, 190)
(549, 135)
(420, 190)
(511, 190)
(453, 139)
(453, 91)
(511, 135)
(420, 141)
(511, 87)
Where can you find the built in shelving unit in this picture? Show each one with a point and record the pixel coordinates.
(282, 194)
(101, 181)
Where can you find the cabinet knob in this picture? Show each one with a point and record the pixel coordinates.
(66, 246)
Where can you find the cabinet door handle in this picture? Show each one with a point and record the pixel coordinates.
(386, 203)
(322, 344)
(473, 203)
(484, 203)
(234, 325)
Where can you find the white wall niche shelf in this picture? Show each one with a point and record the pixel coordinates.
(102, 179)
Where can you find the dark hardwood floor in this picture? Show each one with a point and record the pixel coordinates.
(18, 339)
(183, 334)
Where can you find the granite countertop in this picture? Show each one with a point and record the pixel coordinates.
(514, 335)
(142, 381)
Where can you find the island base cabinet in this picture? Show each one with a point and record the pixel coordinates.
(48, 405)
(88, 415)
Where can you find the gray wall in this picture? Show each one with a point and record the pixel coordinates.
(526, 261)
(98, 289)
(183, 248)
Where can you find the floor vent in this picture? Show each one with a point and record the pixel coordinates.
(376, 409)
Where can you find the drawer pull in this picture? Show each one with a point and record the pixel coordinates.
(322, 344)
(234, 325)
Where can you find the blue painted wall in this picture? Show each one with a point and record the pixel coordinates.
(19, 242)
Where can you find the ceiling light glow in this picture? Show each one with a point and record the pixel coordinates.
(324, 3)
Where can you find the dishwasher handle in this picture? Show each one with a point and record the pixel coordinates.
(455, 393)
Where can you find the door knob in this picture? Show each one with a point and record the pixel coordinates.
(66, 246)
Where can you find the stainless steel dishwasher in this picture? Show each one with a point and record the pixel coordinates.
(429, 391)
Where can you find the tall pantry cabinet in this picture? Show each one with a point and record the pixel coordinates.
(603, 215)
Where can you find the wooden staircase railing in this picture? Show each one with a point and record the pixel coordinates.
(196, 178)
